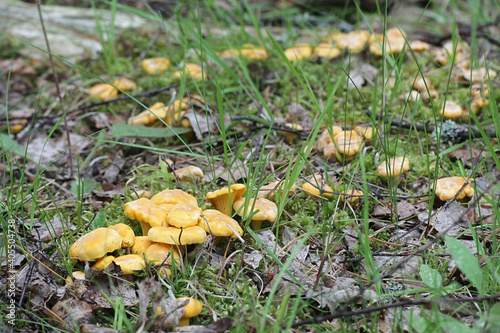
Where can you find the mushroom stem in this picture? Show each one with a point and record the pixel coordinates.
(255, 225)
(145, 228)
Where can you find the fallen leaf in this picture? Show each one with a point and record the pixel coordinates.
(72, 311)
(202, 123)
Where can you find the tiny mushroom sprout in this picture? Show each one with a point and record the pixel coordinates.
(189, 174)
(348, 144)
(299, 52)
(223, 199)
(452, 110)
(128, 236)
(146, 212)
(393, 167)
(259, 210)
(449, 187)
(95, 244)
(315, 187)
(155, 65)
(183, 236)
(130, 263)
(190, 71)
(193, 308)
(218, 224)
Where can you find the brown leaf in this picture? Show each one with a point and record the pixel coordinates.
(202, 122)
(297, 114)
(72, 311)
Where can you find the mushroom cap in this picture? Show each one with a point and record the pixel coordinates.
(394, 167)
(219, 224)
(427, 95)
(326, 51)
(145, 211)
(193, 308)
(103, 92)
(366, 131)
(190, 71)
(142, 243)
(395, 41)
(262, 209)
(124, 84)
(477, 104)
(155, 65)
(253, 53)
(447, 188)
(452, 110)
(95, 244)
(354, 41)
(183, 216)
(325, 142)
(223, 199)
(103, 263)
(76, 275)
(351, 200)
(479, 75)
(158, 252)
(150, 117)
(299, 52)
(184, 236)
(189, 173)
(174, 197)
(128, 236)
(348, 143)
(130, 263)
(419, 46)
(422, 84)
(314, 190)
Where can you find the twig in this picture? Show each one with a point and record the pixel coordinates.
(340, 314)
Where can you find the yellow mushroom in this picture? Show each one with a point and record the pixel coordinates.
(128, 236)
(155, 65)
(394, 167)
(326, 51)
(315, 188)
(193, 308)
(223, 199)
(219, 224)
(183, 216)
(146, 212)
(452, 110)
(130, 263)
(449, 187)
(189, 174)
(184, 236)
(190, 71)
(347, 144)
(299, 52)
(352, 196)
(95, 244)
(103, 263)
(174, 197)
(260, 210)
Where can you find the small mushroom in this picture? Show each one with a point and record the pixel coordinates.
(395, 41)
(189, 173)
(326, 51)
(190, 71)
(251, 52)
(325, 142)
(315, 188)
(354, 41)
(260, 210)
(130, 263)
(124, 84)
(184, 236)
(103, 92)
(394, 167)
(419, 46)
(452, 110)
(193, 308)
(174, 197)
(160, 253)
(347, 144)
(223, 199)
(447, 188)
(352, 196)
(366, 131)
(95, 244)
(146, 212)
(128, 236)
(219, 224)
(183, 216)
(477, 104)
(76, 275)
(155, 65)
(299, 52)
(422, 84)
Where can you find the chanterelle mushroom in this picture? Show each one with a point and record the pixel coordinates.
(394, 167)
(174, 197)
(261, 210)
(193, 308)
(130, 263)
(219, 224)
(155, 65)
(452, 110)
(447, 188)
(314, 185)
(184, 236)
(126, 232)
(223, 199)
(183, 216)
(348, 143)
(299, 52)
(96, 244)
(146, 212)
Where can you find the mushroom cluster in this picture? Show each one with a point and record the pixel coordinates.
(335, 142)
(95, 246)
(172, 114)
(248, 51)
